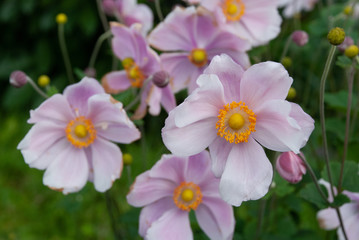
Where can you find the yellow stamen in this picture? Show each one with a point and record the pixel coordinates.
(233, 9)
(80, 132)
(127, 62)
(198, 57)
(236, 122)
(187, 196)
(135, 75)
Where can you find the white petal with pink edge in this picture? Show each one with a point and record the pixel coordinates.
(115, 82)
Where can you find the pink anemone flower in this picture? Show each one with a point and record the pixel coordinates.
(256, 20)
(328, 218)
(140, 64)
(171, 189)
(232, 112)
(191, 38)
(71, 138)
(292, 7)
(129, 12)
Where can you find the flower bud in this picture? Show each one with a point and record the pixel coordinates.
(351, 51)
(43, 80)
(336, 36)
(61, 18)
(90, 72)
(161, 79)
(348, 10)
(127, 159)
(286, 62)
(109, 6)
(348, 41)
(290, 167)
(292, 93)
(300, 38)
(18, 79)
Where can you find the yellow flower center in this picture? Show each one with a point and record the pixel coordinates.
(80, 132)
(187, 196)
(198, 57)
(236, 122)
(127, 62)
(233, 9)
(133, 72)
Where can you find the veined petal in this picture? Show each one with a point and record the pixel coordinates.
(69, 170)
(247, 174)
(115, 82)
(173, 224)
(198, 169)
(168, 100)
(216, 218)
(171, 168)
(106, 163)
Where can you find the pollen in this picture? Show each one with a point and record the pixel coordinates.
(236, 122)
(127, 62)
(135, 75)
(198, 57)
(187, 196)
(80, 132)
(233, 10)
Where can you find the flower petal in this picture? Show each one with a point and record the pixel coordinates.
(171, 168)
(168, 99)
(328, 219)
(106, 163)
(115, 82)
(219, 150)
(351, 226)
(247, 174)
(198, 169)
(173, 224)
(216, 218)
(69, 170)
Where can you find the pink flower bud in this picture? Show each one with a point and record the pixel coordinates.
(348, 41)
(18, 79)
(161, 79)
(290, 167)
(300, 38)
(90, 72)
(109, 6)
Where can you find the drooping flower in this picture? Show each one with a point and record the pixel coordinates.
(328, 218)
(140, 63)
(129, 12)
(256, 20)
(231, 112)
(191, 38)
(290, 166)
(71, 138)
(292, 7)
(174, 187)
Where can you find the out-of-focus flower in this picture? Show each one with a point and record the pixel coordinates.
(348, 10)
(43, 80)
(127, 159)
(71, 138)
(351, 51)
(129, 12)
(348, 41)
(328, 218)
(61, 18)
(336, 36)
(174, 187)
(287, 62)
(90, 72)
(292, 7)
(292, 93)
(290, 167)
(232, 112)
(256, 20)
(139, 63)
(18, 79)
(192, 38)
(300, 38)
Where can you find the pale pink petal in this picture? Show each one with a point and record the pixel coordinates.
(247, 174)
(216, 218)
(277, 130)
(240, 58)
(263, 82)
(173, 224)
(106, 162)
(142, 108)
(68, 171)
(78, 93)
(150, 64)
(55, 109)
(351, 226)
(219, 150)
(328, 219)
(198, 169)
(115, 82)
(171, 168)
(38, 140)
(153, 212)
(146, 190)
(141, 13)
(203, 103)
(168, 100)
(191, 139)
(154, 100)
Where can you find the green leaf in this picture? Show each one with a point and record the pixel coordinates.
(344, 61)
(310, 193)
(338, 100)
(350, 175)
(282, 187)
(339, 200)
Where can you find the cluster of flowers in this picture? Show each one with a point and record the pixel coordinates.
(233, 109)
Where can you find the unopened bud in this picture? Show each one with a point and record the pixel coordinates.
(61, 18)
(348, 41)
(109, 6)
(336, 36)
(286, 62)
(292, 93)
(43, 80)
(90, 72)
(348, 10)
(18, 79)
(351, 51)
(161, 79)
(127, 159)
(300, 38)
(290, 167)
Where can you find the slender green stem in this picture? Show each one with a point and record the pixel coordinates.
(158, 10)
(111, 209)
(347, 124)
(261, 213)
(36, 88)
(286, 47)
(65, 54)
(97, 47)
(341, 223)
(102, 15)
(129, 176)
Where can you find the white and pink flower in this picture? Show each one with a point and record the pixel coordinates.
(72, 137)
(232, 112)
(171, 189)
(292, 7)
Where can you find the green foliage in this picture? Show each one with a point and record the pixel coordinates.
(311, 194)
(350, 180)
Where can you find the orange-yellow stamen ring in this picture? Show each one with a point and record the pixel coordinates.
(135, 75)
(187, 196)
(80, 132)
(233, 9)
(198, 57)
(236, 122)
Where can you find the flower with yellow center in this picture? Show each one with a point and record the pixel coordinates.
(236, 122)
(135, 76)
(80, 132)
(233, 10)
(198, 57)
(187, 196)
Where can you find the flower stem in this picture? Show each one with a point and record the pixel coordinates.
(286, 47)
(111, 209)
(36, 88)
(65, 54)
(97, 47)
(158, 10)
